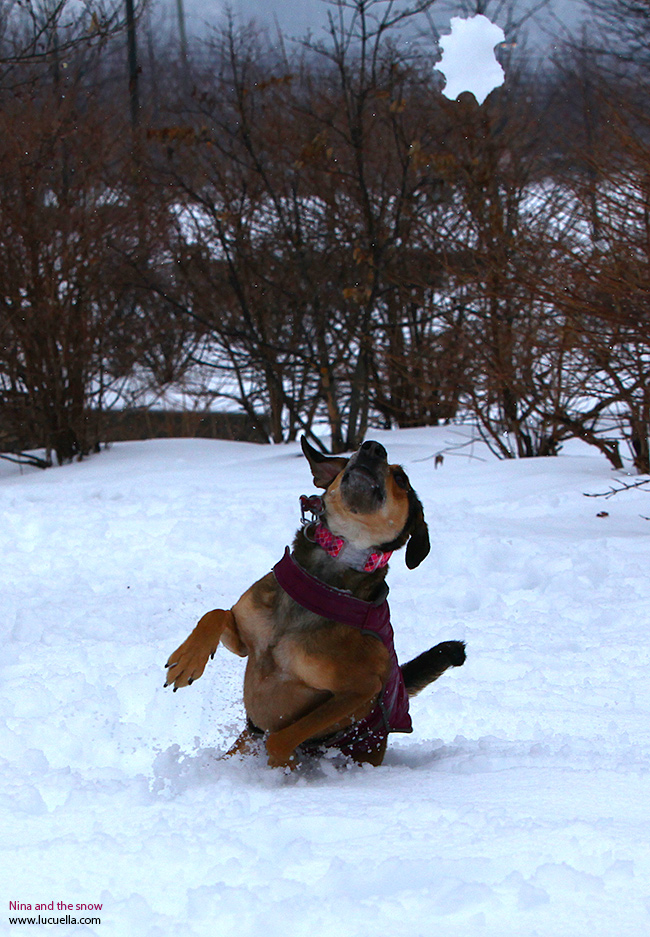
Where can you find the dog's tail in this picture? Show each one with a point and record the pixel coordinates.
(423, 670)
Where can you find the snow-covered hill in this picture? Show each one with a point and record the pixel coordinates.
(519, 806)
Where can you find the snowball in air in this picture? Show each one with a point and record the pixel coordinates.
(468, 62)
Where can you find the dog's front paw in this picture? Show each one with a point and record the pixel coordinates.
(187, 663)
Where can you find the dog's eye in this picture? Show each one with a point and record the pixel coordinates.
(401, 479)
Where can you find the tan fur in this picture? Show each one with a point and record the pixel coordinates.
(306, 676)
(365, 530)
(296, 687)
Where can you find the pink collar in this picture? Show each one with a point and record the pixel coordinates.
(366, 561)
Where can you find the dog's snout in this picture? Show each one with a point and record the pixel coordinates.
(373, 450)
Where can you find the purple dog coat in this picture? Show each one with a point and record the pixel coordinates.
(391, 714)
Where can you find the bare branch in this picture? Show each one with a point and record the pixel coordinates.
(624, 486)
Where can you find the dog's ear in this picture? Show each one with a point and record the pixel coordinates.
(324, 468)
(418, 546)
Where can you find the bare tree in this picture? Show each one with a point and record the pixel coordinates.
(62, 298)
(608, 302)
(497, 245)
(620, 30)
(37, 34)
(300, 195)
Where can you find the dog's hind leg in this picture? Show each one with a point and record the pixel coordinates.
(373, 757)
(249, 741)
(423, 670)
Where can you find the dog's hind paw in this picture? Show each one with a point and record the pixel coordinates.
(423, 670)
(454, 652)
(279, 757)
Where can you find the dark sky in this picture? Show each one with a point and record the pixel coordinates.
(295, 17)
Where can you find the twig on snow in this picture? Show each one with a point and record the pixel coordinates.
(452, 448)
(624, 486)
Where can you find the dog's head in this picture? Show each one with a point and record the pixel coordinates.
(370, 502)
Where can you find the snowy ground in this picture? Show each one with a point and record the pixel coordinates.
(519, 806)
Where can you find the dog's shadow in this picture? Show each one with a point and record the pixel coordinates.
(431, 754)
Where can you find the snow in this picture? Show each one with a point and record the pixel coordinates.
(468, 61)
(520, 805)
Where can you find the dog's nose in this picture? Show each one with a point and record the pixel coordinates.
(374, 450)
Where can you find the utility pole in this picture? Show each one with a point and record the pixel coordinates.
(180, 7)
(133, 63)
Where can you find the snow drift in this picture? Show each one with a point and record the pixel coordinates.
(519, 806)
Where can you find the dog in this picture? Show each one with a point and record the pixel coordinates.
(322, 672)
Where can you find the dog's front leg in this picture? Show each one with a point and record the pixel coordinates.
(348, 702)
(188, 661)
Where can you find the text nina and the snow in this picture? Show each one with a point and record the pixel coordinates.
(60, 906)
